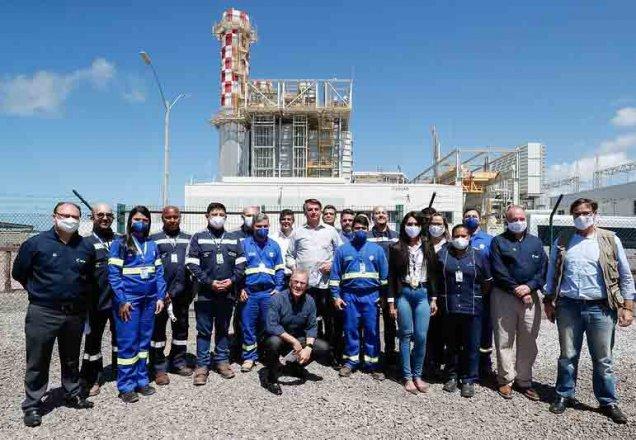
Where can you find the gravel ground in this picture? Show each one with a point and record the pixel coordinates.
(333, 408)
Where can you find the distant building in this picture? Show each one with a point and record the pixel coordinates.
(615, 200)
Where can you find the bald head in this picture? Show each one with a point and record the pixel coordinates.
(102, 217)
(515, 213)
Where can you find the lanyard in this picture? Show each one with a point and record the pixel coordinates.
(217, 241)
(106, 244)
(141, 252)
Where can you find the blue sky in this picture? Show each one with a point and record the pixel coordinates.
(78, 109)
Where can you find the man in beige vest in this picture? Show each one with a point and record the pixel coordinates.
(589, 288)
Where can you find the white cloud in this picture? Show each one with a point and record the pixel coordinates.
(621, 142)
(135, 90)
(625, 117)
(585, 166)
(45, 92)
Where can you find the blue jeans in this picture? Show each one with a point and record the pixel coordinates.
(414, 313)
(598, 322)
(214, 314)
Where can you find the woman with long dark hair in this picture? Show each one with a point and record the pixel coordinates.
(437, 235)
(408, 298)
(135, 273)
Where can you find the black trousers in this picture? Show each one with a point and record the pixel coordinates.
(179, 345)
(275, 346)
(435, 343)
(43, 325)
(332, 328)
(390, 330)
(93, 363)
(462, 335)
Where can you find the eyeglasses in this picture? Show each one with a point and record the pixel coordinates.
(104, 215)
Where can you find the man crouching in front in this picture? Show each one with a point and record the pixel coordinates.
(291, 332)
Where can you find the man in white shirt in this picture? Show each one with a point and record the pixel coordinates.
(311, 247)
(283, 236)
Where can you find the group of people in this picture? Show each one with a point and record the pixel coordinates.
(316, 293)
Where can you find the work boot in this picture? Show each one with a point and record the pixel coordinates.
(32, 418)
(468, 390)
(183, 370)
(225, 370)
(247, 366)
(614, 413)
(146, 390)
(162, 378)
(77, 402)
(345, 372)
(129, 397)
(378, 375)
(200, 376)
(450, 386)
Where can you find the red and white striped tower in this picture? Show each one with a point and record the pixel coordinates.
(236, 34)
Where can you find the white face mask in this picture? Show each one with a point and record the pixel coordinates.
(68, 225)
(216, 221)
(518, 226)
(412, 231)
(582, 222)
(248, 221)
(460, 243)
(436, 230)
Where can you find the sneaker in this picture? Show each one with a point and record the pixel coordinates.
(247, 366)
(146, 390)
(225, 370)
(200, 376)
(468, 390)
(378, 375)
(614, 413)
(450, 386)
(129, 397)
(345, 372)
(162, 378)
(32, 418)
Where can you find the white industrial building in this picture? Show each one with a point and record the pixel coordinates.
(619, 200)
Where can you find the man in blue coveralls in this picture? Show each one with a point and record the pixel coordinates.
(264, 276)
(358, 273)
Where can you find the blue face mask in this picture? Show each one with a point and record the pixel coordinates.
(359, 237)
(261, 232)
(139, 227)
(471, 223)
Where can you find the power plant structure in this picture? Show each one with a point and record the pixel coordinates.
(278, 127)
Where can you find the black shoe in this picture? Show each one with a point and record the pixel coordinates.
(450, 386)
(614, 413)
(32, 418)
(301, 372)
(129, 397)
(559, 404)
(468, 390)
(146, 391)
(78, 402)
(273, 386)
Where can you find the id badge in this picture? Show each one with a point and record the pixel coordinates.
(414, 283)
(174, 258)
(459, 276)
(363, 268)
(143, 273)
(219, 258)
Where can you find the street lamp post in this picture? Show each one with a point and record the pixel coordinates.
(167, 105)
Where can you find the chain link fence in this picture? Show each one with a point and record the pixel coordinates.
(15, 228)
